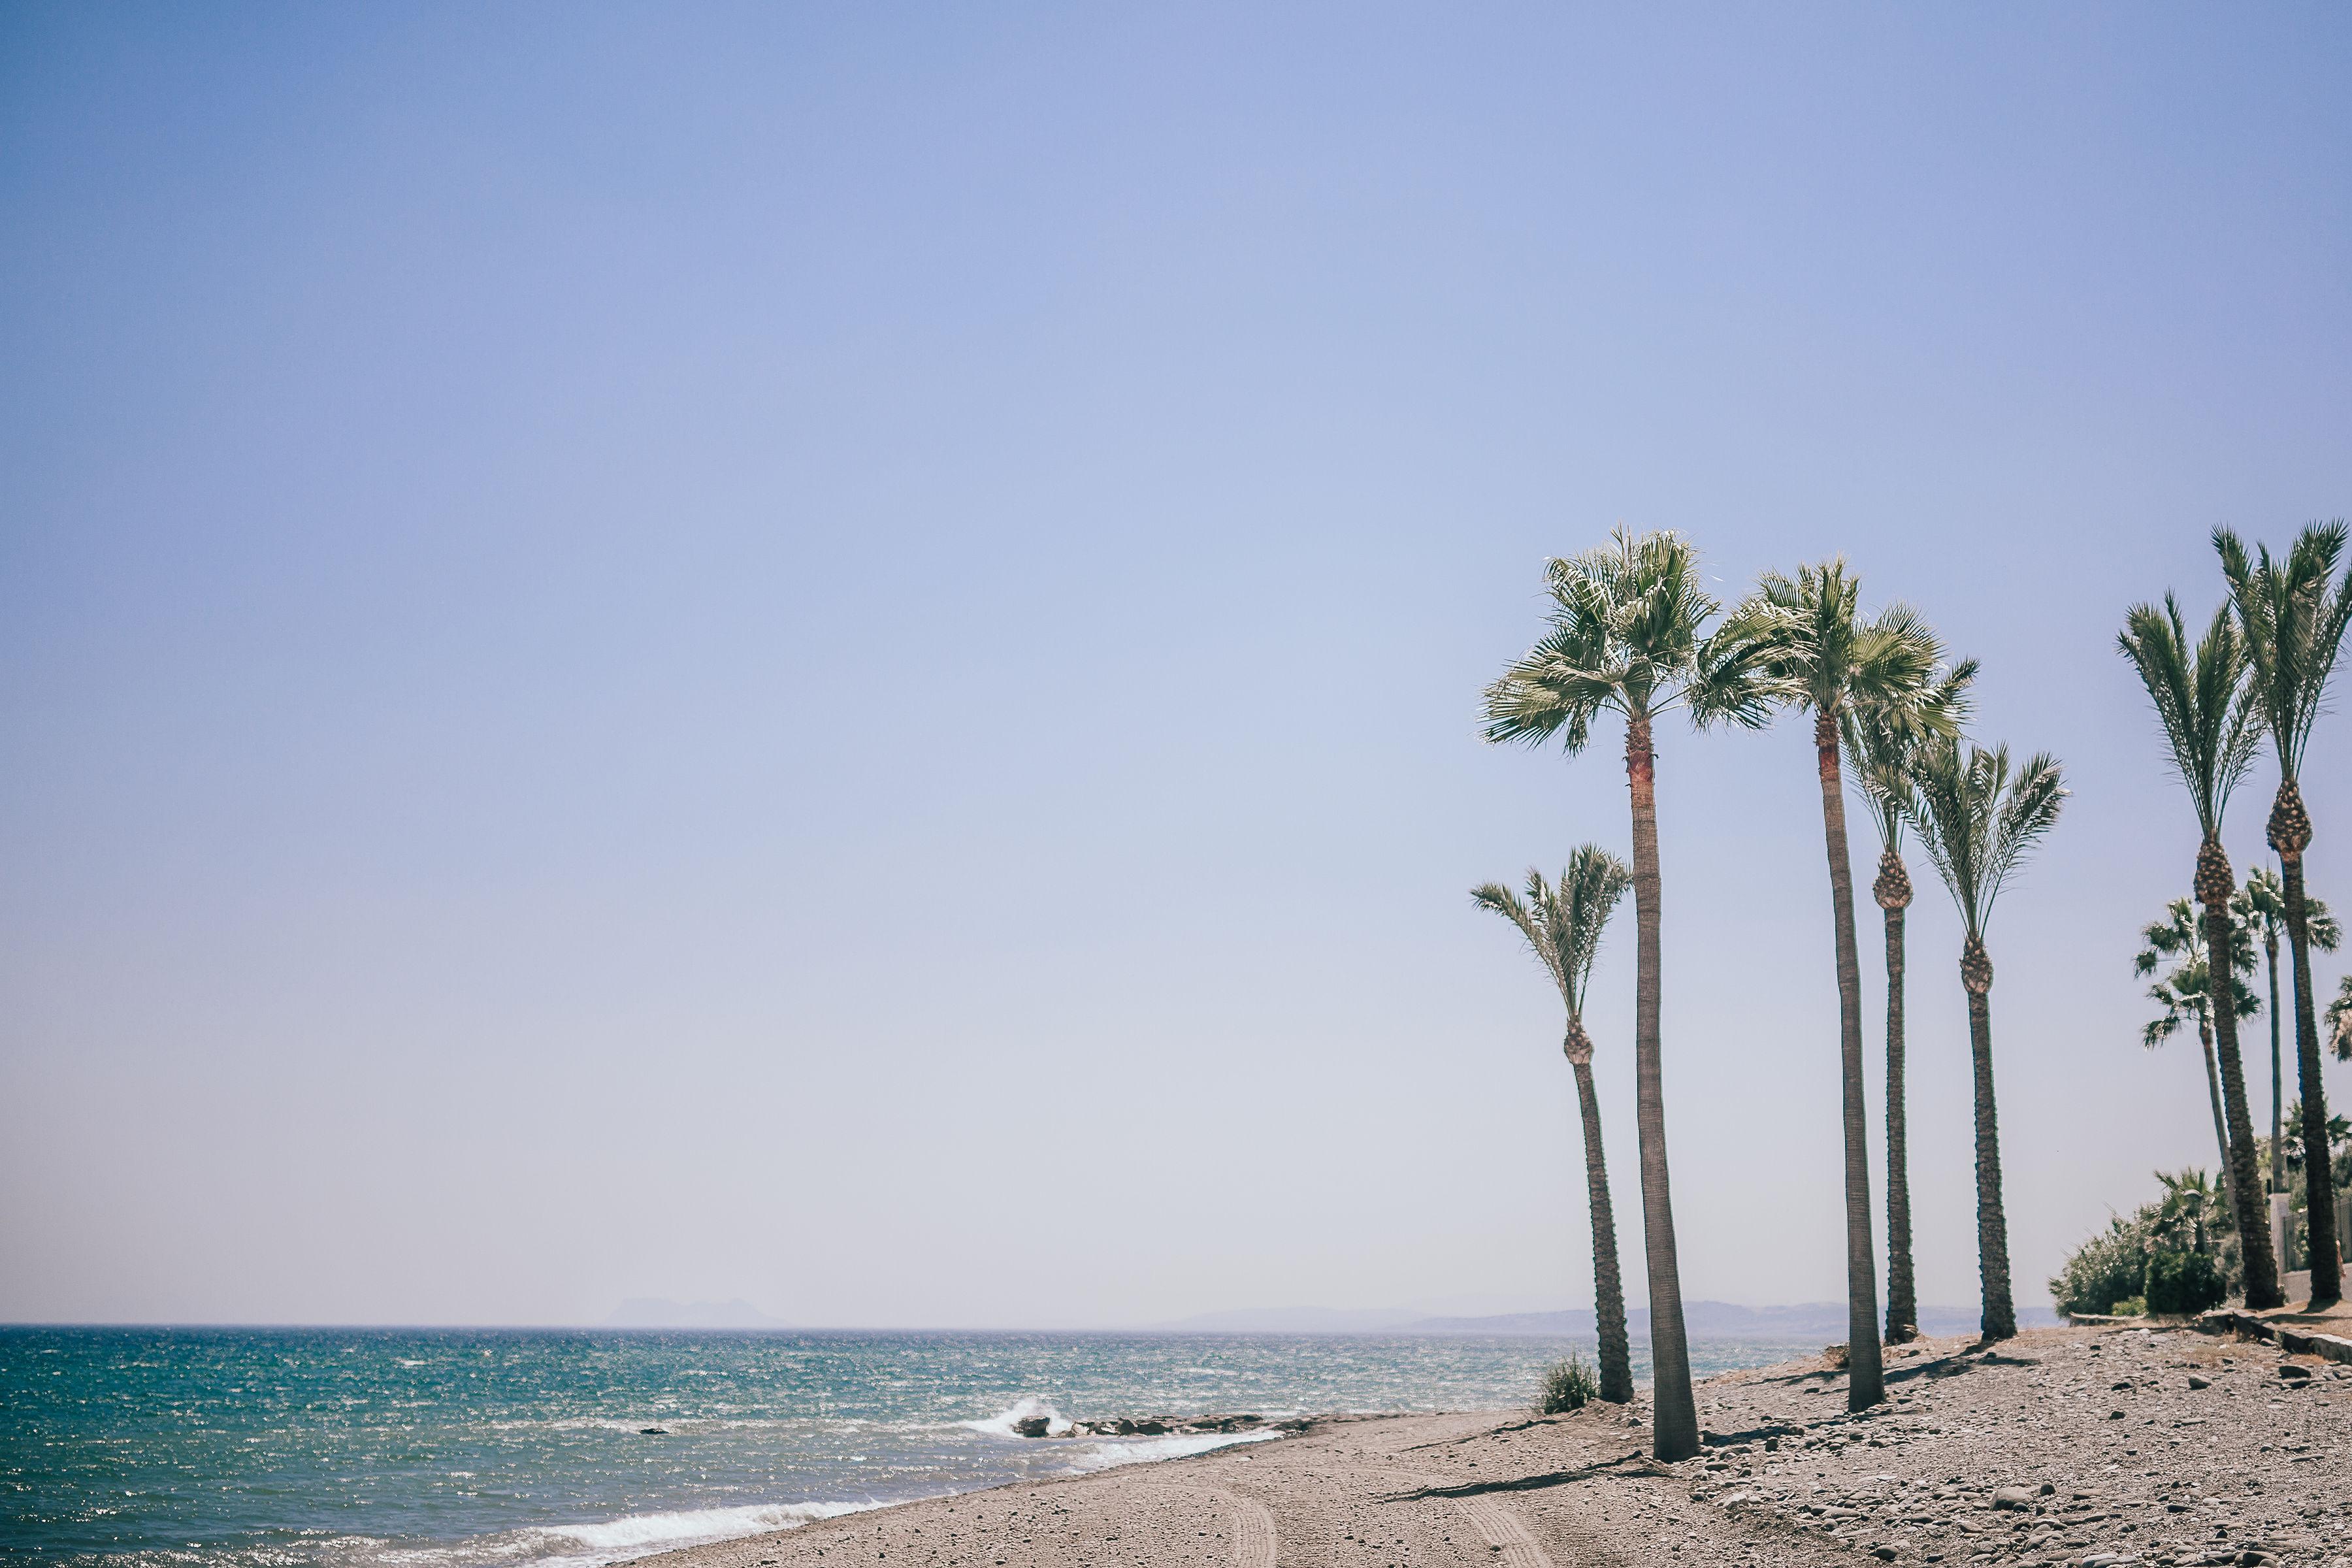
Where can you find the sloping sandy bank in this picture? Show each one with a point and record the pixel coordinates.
(2115, 1456)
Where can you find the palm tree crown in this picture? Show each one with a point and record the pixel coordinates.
(2261, 904)
(1627, 636)
(2185, 995)
(1978, 821)
(2208, 730)
(2180, 936)
(1819, 654)
(2293, 626)
(1563, 922)
(2177, 945)
(1880, 742)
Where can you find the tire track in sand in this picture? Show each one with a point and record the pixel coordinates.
(1253, 1531)
(1253, 1534)
(1500, 1527)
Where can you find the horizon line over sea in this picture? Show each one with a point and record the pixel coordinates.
(573, 1446)
(741, 1317)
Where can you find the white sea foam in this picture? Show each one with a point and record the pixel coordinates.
(1001, 1424)
(1103, 1456)
(595, 1545)
(635, 1534)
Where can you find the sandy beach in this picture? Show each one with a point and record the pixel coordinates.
(2098, 1447)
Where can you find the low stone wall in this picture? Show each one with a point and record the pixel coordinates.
(2287, 1336)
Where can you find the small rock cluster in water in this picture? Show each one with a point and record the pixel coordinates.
(1156, 1426)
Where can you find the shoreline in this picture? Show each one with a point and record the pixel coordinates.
(2098, 1447)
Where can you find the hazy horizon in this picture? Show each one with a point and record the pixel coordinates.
(831, 656)
(655, 1316)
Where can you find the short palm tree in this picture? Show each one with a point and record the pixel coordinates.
(2189, 1209)
(2294, 615)
(1978, 821)
(1825, 660)
(2262, 905)
(2185, 993)
(1628, 635)
(2210, 732)
(2339, 1020)
(1562, 924)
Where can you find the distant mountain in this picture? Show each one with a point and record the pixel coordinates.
(1295, 1320)
(653, 1312)
(1825, 1320)
(1822, 1320)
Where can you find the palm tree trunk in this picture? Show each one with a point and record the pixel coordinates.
(1607, 1284)
(2220, 1128)
(2000, 1319)
(1674, 1423)
(1902, 1292)
(2278, 1108)
(2214, 885)
(2319, 1179)
(1865, 1373)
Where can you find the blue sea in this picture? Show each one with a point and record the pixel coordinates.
(467, 1448)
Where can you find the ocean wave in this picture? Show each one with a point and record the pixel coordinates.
(1001, 1424)
(593, 1545)
(635, 1534)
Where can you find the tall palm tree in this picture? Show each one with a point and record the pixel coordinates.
(1826, 660)
(2261, 904)
(1877, 750)
(2293, 616)
(2211, 733)
(1562, 924)
(1978, 821)
(1628, 635)
(2184, 992)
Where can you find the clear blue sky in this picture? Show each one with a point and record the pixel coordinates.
(830, 653)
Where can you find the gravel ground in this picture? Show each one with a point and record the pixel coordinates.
(2096, 1448)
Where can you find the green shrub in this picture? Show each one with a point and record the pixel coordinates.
(2105, 1269)
(2129, 1307)
(1568, 1386)
(2181, 1283)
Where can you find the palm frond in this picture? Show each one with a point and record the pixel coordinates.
(1812, 648)
(2339, 1019)
(2029, 810)
(1562, 921)
(1626, 635)
(2321, 928)
(1730, 686)
(2198, 694)
(1587, 894)
(1881, 737)
(1534, 929)
(2178, 939)
(2166, 1024)
(1977, 821)
(2294, 619)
